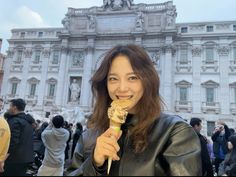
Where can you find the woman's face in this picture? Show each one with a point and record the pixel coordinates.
(123, 83)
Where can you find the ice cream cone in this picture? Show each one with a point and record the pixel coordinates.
(117, 114)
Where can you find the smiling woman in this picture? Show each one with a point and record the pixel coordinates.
(151, 143)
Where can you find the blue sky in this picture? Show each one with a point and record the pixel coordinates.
(49, 13)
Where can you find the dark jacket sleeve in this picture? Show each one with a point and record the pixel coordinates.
(15, 127)
(183, 149)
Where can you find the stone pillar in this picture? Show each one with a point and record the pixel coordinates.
(5, 82)
(61, 93)
(196, 81)
(223, 93)
(168, 76)
(25, 74)
(42, 90)
(86, 99)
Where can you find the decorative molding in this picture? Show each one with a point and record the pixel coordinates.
(223, 50)
(28, 53)
(46, 53)
(196, 51)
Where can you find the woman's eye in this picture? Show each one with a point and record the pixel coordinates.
(133, 78)
(112, 79)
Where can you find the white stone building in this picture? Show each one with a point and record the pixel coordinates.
(196, 61)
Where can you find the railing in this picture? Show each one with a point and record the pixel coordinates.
(211, 106)
(183, 105)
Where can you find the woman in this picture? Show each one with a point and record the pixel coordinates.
(151, 143)
(228, 166)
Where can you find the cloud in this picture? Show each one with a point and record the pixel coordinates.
(27, 18)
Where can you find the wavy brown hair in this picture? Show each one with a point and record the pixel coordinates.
(149, 106)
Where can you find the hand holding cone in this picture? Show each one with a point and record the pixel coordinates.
(117, 114)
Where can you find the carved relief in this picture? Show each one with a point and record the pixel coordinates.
(66, 22)
(170, 17)
(10, 53)
(117, 4)
(223, 50)
(46, 53)
(139, 21)
(91, 22)
(78, 59)
(28, 53)
(196, 51)
(155, 57)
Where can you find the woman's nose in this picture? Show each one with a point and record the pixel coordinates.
(123, 85)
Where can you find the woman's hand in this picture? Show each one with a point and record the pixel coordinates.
(106, 146)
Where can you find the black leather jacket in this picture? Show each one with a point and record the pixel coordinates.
(173, 150)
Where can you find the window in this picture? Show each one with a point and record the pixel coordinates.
(210, 95)
(210, 127)
(37, 56)
(19, 56)
(183, 94)
(184, 30)
(210, 28)
(209, 55)
(32, 89)
(22, 34)
(183, 56)
(51, 90)
(13, 88)
(40, 34)
(55, 58)
(234, 27)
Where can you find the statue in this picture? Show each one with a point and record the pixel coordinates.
(128, 3)
(139, 20)
(75, 91)
(92, 22)
(66, 22)
(170, 14)
(106, 3)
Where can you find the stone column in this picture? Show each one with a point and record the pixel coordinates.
(5, 82)
(61, 93)
(223, 91)
(168, 76)
(23, 91)
(86, 99)
(42, 90)
(196, 81)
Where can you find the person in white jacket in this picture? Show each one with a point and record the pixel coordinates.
(54, 138)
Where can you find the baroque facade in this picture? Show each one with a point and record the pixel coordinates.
(2, 60)
(196, 61)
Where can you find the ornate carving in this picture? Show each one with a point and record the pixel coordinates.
(155, 57)
(196, 51)
(92, 22)
(117, 4)
(78, 59)
(28, 53)
(170, 17)
(223, 50)
(46, 53)
(139, 21)
(10, 53)
(66, 22)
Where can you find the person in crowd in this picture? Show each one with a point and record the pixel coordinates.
(210, 149)
(54, 138)
(220, 138)
(68, 127)
(76, 136)
(21, 143)
(151, 143)
(207, 169)
(5, 135)
(228, 166)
